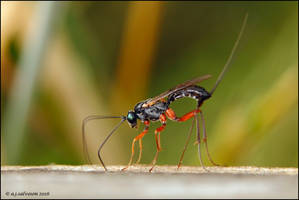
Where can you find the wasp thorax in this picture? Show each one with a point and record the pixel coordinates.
(132, 119)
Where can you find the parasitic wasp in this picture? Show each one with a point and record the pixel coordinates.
(157, 109)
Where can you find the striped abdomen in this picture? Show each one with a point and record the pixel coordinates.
(194, 91)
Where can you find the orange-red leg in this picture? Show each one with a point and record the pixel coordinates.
(140, 151)
(171, 115)
(138, 137)
(157, 131)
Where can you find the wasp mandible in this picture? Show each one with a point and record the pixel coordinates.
(157, 109)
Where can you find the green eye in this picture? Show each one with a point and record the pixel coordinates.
(130, 116)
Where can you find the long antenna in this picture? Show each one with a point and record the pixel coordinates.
(228, 62)
(93, 117)
(116, 127)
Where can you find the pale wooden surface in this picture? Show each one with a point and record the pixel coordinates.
(91, 181)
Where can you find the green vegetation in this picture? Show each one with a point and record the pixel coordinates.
(104, 57)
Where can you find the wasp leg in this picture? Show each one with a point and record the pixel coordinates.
(171, 115)
(205, 139)
(138, 137)
(187, 142)
(198, 142)
(157, 131)
(140, 151)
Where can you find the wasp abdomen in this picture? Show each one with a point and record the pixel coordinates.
(196, 92)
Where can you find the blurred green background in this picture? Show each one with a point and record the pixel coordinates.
(63, 61)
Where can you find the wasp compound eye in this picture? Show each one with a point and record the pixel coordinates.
(132, 118)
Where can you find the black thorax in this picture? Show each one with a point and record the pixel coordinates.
(154, 111)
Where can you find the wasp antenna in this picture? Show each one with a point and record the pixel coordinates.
(114, 129)
(94, 117)
(228, 62)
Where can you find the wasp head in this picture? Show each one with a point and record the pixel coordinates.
(132, 119)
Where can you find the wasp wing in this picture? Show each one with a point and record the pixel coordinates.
(181, 86)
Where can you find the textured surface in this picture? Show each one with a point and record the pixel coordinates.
(60, 181)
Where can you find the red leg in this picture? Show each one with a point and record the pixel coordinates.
(140, 151)
(171, 115)
(157, 131)
(140, 144)
(138, 137)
